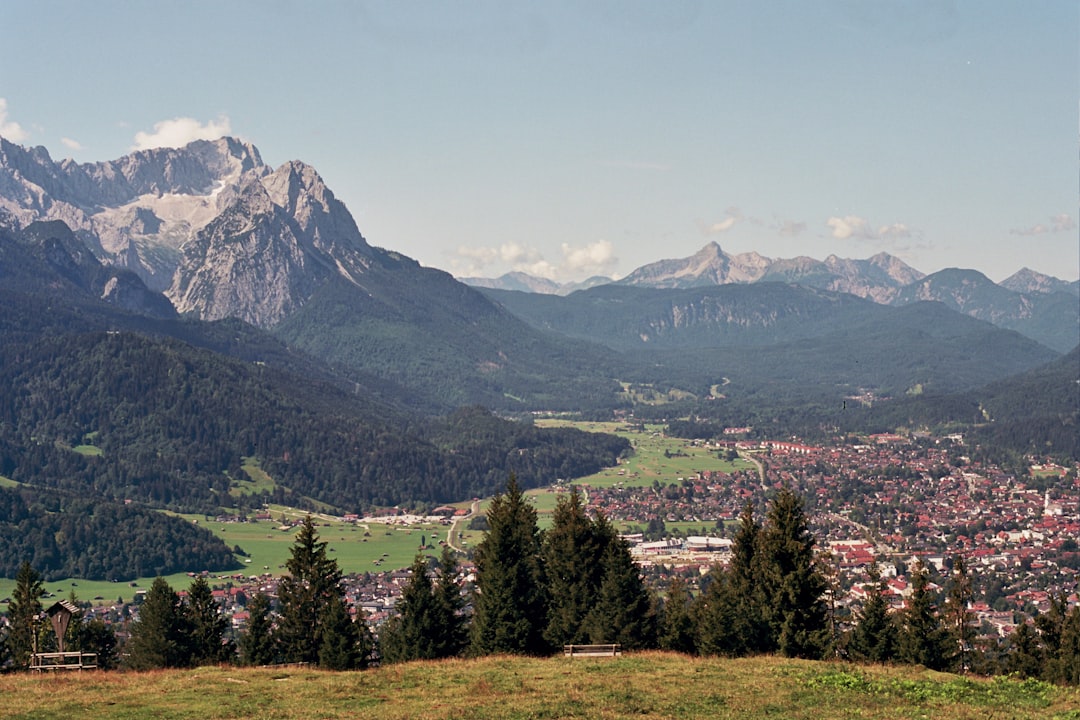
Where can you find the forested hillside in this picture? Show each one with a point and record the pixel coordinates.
(154, 420)
(64, 536)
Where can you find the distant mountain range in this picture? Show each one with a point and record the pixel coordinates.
(1039, 306)
(210, 232)
(171, 319)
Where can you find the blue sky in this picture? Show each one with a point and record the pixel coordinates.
(568, 139)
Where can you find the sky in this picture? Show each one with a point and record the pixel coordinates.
(570, 139)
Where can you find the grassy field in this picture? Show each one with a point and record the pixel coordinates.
(643, 686)
(655, 458)
(357, 548)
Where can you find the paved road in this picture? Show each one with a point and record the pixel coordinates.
(453, 532)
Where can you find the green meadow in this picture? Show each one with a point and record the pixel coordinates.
(644, 686)
(656, 458)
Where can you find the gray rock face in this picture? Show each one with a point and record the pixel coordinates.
(219, 232)
(878, 278)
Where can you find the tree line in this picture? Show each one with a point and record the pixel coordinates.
(576, 583)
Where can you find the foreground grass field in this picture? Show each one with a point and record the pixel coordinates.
(643, 686)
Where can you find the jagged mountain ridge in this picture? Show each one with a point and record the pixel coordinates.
(1026, 280)
(1052, 319)
(221, 233)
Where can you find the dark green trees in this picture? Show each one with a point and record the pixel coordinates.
(874, 638)
(429, 623)
(730, 612)
(313, 610)
(623, 612)
(771, 597)
(209, 642)
(794, 609)
(510, 606)
(256, 644)
(23, 610)
(924, 640)
(676, 630)
(161, 637)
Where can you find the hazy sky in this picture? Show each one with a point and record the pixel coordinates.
(580, 138)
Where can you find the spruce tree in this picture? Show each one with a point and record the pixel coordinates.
(924, 640)
(210, 643)
(715, 617)
(676, 631)
(874, 638)
(624, 611)
(574, 548)
(1066, 668)
(1025, 654)
(414, 632)
(23, 612)
(746, 592)
(956, 608)
(161, 637)
(510, 606)
(454, 626)
(257, 642)
(794, 607)
(305, 595)
(339, 642)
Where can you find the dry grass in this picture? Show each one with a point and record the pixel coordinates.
(644, 686)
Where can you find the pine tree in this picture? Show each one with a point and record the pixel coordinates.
(160, 638)
(624, 608)
(956, 608)
(413, 634)
(339, 642)
(1025, 656)
(1067, 665)
(676, 631)
(1051, 629)
(874, 638)
(573, 554)
(454, 635)
(257, 642)
(923, 638)
(510, 605)
(714, 613)
(794, 608)
(305, 594)
(23, 612)
(209, 641)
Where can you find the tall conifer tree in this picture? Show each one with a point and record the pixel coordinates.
(23, 611)
(676, 631)
(305, 595)
(161, 637)
(574, 548)
(510, 602)
(257, 642)
(874, 638)
(924, 640)
(794, 607)
(210, 643)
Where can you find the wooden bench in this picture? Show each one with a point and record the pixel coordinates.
(63, 661)
(573, 651)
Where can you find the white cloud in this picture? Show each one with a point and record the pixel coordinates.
(71, 144)
(734, 215)
(9, 129)
(847, 226)
(594, 258)
(591, 259)
(1058, 223)
(181, 131)
(859, 228)
(790, 228)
